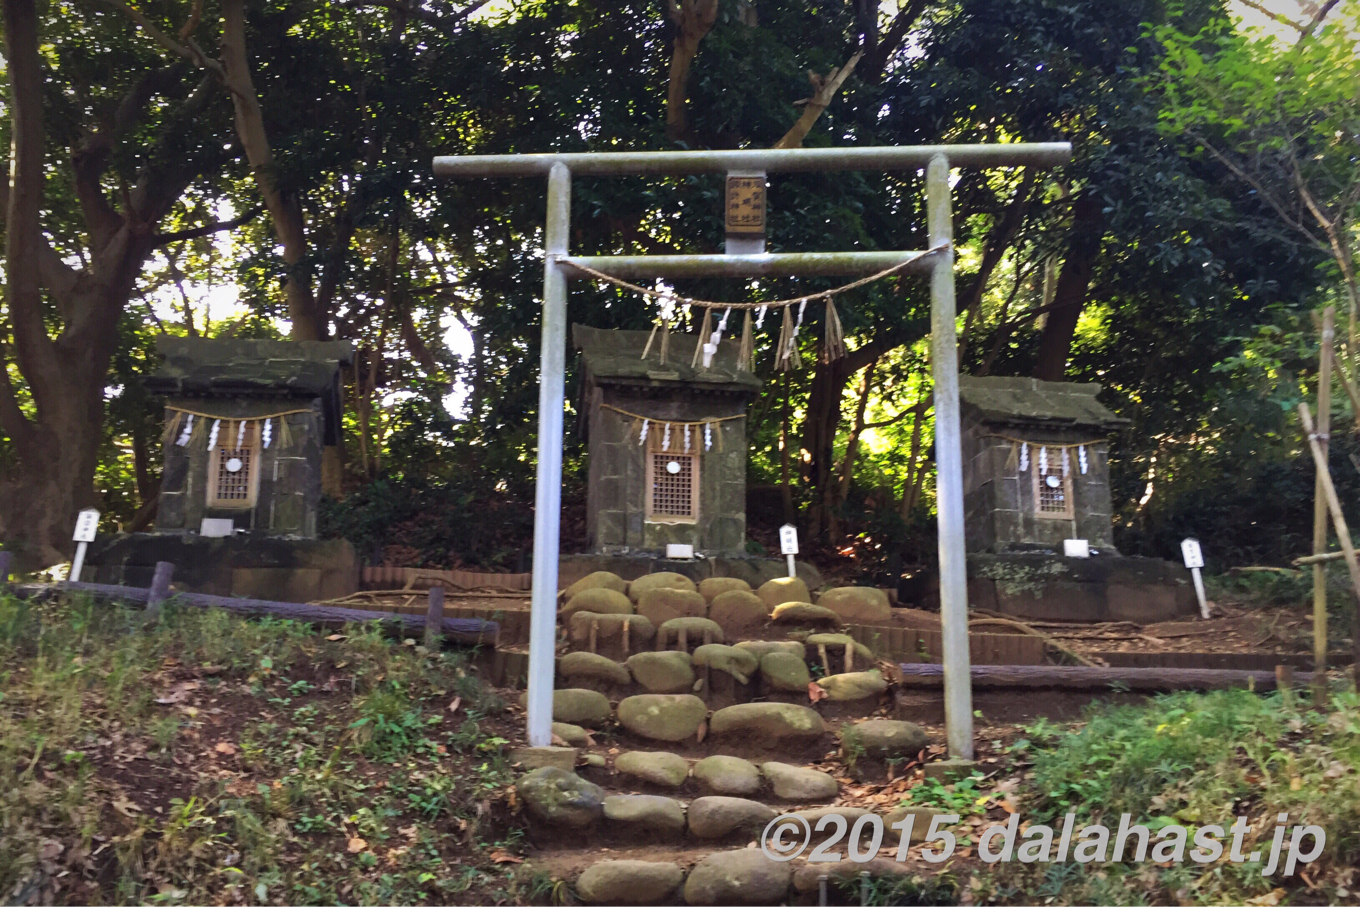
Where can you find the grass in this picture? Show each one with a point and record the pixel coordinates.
(1196, 759)
(204, 758)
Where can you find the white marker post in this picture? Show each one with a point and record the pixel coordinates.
(788, 544)
(87, 524)
(1194, 559)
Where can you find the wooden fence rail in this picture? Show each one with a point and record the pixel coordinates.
(462, 630)
(1143, 680)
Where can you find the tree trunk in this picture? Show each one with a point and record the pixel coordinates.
(911, 488)
(847, 470)
(693, 20)
(1084, 241)
(308, 322)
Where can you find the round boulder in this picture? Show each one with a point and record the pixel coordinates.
(858, 604)
(785, 671)
(661, 769)
(802, 785)
(694, 627)
(660, 581)
(587, 664)
(806, 877)
(585, 707)
(762, 647)
(853, 686)
(783, 589)
(718, 817)
(803, 613)
(596, 601)
(740, 663)
(647, 811)
(863, 654)
(661, 605)
(662, 672)
(728, 775)
(738, 611)
(571, 734)
(663, 717)
(640, 629)
(560, 797)
(628, 882)
(884, 739)
(714, 586)
(600, 579)
(851, 815)
(774, 720)
(738, 877)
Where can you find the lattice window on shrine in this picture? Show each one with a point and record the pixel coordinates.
(672, 481)
(1052, 495)
(234, 474)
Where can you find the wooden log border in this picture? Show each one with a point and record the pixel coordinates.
(469, 631)
(1144, 680)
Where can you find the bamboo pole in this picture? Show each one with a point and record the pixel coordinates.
(1324, 419)
(1316, 559)
(1334, 505)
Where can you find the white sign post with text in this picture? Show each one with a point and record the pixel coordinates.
(788, 544)
(1194, 559)
(87, 524)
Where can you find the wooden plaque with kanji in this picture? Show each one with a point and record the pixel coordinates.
(746, 205)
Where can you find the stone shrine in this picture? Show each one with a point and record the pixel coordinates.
(1036, 474)
(246, 426)
(666, 442)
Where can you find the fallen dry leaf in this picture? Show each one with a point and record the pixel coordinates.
(178, 693)
(1270, 899)
(225, 748)
(816, 693)
(457, 701)
(357, 844)
(126, 807)
(504, 856)
(558, 741)
(702, 732)
(335, 637)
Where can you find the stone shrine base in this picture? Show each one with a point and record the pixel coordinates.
(755, 570)
(244, 566)
(1103, 587)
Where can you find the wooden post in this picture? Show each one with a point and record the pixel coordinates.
(160, 587)
(434, 620)
(1324, 419)
(1343, 534)
(1284, 682)
(6, 564)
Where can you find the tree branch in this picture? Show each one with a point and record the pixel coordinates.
(165, 239)
(445, 24)
(881, 51)
(825, 90)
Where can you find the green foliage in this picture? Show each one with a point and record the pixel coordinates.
(962, 796)
(270, 798)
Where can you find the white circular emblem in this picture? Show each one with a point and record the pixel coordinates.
(1053, 481)
(234, 464)
(672, 467)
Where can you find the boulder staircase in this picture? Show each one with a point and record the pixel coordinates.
(686, 718)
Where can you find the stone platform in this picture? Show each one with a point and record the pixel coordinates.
(1104, 587)
(244, 565)
(754, 570)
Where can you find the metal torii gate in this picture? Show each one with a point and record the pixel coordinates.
(559, 266)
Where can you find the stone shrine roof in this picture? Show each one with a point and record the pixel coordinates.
(227, 368)
(1029, 401)
(615, 357)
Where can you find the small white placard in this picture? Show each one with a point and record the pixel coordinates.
(216, 528)
(87, 524)
(1076, 548)
(1193, 556)
(788, 539)
(680, 552)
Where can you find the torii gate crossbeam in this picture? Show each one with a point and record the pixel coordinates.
(558, 268)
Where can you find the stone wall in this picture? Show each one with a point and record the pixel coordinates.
(290, 473)
(999, 509)
(616, 519)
